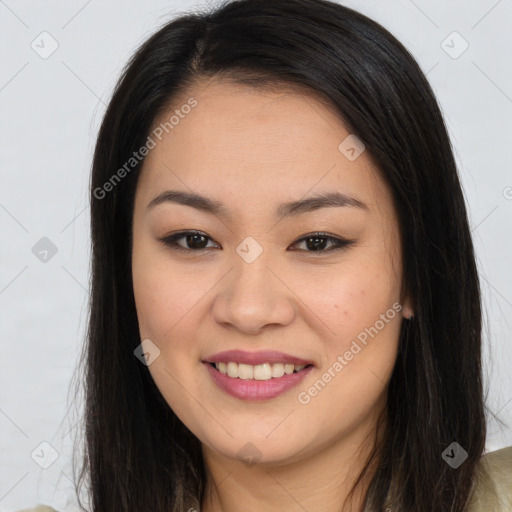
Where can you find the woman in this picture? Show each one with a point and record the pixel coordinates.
(285, 308)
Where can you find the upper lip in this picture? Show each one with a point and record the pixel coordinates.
(254, 358)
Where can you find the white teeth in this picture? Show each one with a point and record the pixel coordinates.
(232, 370)
(265, 371)
(245, 371)
(277, 370)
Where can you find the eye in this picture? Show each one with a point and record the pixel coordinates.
(318, 241)
(196, 241)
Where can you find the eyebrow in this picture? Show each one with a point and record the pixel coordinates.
(292, 208)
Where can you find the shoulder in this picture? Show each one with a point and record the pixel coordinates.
(38, 508)
(493, 482)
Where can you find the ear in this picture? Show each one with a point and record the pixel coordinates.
(407, 309)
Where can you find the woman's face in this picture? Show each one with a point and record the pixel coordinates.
(256, 279)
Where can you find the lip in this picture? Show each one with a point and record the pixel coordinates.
(254, 358)
(254, 390)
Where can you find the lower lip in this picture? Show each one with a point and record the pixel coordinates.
(256, 389)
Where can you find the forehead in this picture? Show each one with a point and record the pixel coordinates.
(240, 142)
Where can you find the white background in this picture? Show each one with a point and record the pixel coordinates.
(50, 112)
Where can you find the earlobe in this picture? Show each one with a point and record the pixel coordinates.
(407, 311)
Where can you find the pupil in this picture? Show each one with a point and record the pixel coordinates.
(192, 244)
(319, 243)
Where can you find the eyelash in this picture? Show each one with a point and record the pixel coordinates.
(339, 243)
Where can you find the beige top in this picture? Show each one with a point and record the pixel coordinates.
(494, 472)
(493, 491)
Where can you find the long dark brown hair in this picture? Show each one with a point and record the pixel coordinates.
(137, 455)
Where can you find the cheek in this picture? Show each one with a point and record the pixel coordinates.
(164, 298)
(167, 304)
(153, 299)
(165, 291)
(359, 354)
(361, 307)
(352, 298)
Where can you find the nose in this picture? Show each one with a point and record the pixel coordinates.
(254, 296)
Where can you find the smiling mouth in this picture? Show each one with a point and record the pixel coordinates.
(265, 371)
